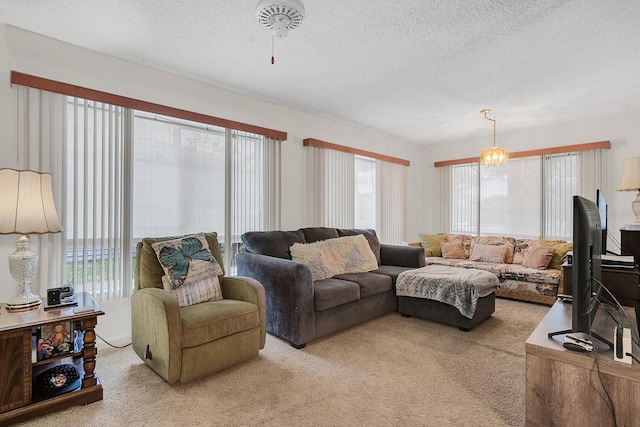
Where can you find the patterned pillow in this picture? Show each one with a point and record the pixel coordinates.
(207, 289)
(188, 261)
(488, 253)
(521, 248)
(464, 239)
(508, 242)
(560, 249)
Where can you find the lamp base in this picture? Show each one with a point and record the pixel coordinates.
(23, 264)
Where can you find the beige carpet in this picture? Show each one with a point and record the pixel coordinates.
(391, 371)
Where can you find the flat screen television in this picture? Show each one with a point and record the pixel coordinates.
(586, 271)
(601, 202)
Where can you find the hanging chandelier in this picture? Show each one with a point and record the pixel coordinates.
(493, 156)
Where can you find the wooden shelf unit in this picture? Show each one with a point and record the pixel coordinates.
(18, 400)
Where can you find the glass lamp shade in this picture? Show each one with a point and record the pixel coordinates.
(26, 207)
(630, 181)
(494, 156)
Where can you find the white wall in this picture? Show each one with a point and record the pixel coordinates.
(623, 130)
(41, 56)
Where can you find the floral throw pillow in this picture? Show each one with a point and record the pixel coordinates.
(188, 261)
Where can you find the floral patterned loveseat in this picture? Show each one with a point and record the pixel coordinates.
(516, 281)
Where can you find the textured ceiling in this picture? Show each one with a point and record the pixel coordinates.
(419, 70)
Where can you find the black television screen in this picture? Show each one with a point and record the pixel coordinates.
(601, 202)
(586, 268)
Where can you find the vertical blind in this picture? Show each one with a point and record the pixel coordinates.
(345, 191)
(527, 197)
(120, 175)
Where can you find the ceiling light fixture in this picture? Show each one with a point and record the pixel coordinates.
(279, 16)
(493, 156)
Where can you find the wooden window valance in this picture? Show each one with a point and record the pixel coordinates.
(323, 144)
(123, 101)
(531, 153)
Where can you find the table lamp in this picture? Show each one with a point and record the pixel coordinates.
(630, 181)
(26, 207)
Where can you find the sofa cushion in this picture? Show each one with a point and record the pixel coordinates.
(272, 243)
(452, 250)
(370, 283)
(392, 271)
(507, 242)
(538, 257)
(371, 236)
(329, 293)
(149, 270)
(209, 321)
(488, 253)
(316, 234)
(521, 249)
(464, 239)
(328, 258)
(431, 243)
(560, 249)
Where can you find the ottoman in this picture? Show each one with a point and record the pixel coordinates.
(452, 295)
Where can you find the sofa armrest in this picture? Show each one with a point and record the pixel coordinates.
(155, 322)
(250, 290)
(402, 256)
(289, 295)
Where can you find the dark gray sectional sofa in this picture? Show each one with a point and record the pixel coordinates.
(299, 309)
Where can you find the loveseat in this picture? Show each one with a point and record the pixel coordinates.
(301, 309)
(534, 281)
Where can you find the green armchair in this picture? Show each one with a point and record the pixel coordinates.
(185, 343)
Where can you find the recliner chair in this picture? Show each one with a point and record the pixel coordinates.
(185, 343)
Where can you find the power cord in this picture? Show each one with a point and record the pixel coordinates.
(111, 345)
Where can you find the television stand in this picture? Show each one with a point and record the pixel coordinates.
(562, 386)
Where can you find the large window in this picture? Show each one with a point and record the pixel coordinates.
(529, 197)
(121, 175)
(347, 190)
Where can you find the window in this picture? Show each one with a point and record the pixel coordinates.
(529, 197)
(365, 192)
(122, 174)
(355, 191)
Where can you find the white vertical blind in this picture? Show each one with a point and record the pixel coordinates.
(527, 197)
(339, 186)
(315, 184)
(255, 188)
(179, 185)
(40, 146)
(392, 202)
(365, 192)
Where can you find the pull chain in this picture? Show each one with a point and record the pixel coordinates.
(272, 57)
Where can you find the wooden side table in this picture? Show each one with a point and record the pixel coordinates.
(630, 243)
(624, 284)
(18, 400)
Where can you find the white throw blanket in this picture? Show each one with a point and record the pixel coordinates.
(459, 287)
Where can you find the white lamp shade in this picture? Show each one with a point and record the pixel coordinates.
(26, 203)
(630, 180)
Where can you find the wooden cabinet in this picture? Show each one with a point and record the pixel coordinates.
(630, 243)
(563, 387)
(18, 369)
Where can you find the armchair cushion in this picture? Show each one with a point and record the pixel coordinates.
(149, 272)
(209, 321)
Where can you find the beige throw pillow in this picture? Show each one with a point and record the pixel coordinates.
(452, 250)
(538, 257)
(328, 258)
(488, 253)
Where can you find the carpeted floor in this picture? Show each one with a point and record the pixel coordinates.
(391, 371)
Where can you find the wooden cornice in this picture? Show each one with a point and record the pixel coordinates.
(323, 144)
(123, 101)
(531, 153)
